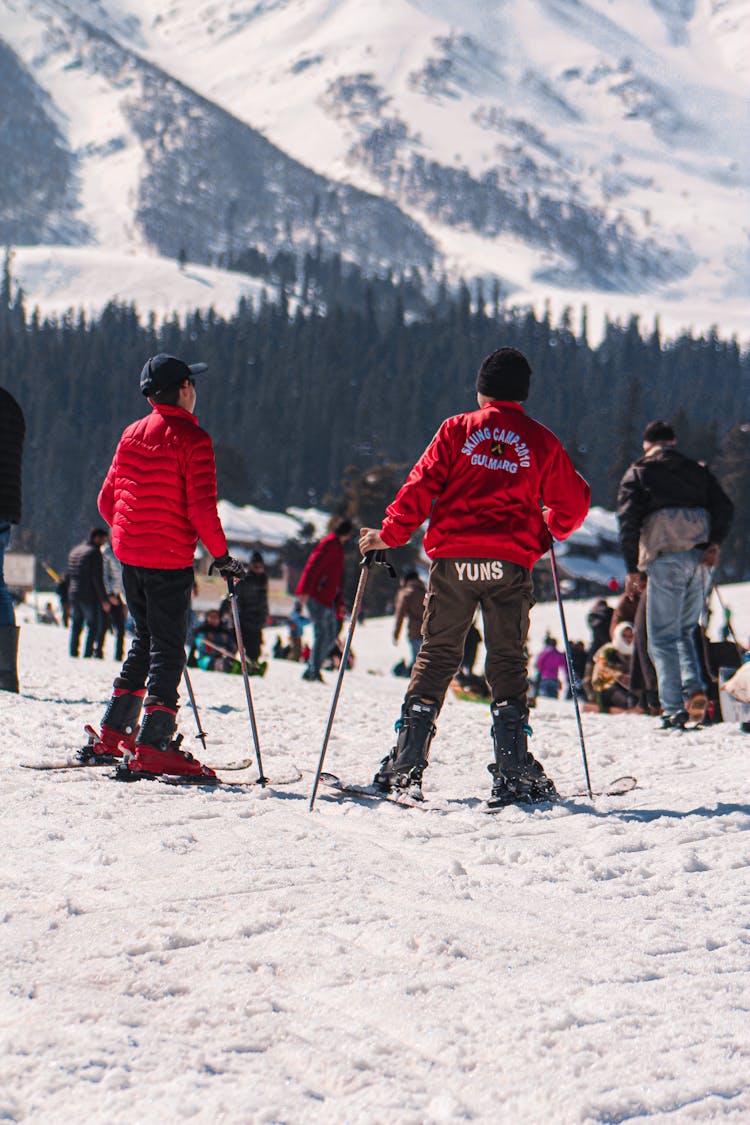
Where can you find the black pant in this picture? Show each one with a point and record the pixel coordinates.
(89, 614)
(457, 587)
(159, 601)
(252, 639)
(114, 621)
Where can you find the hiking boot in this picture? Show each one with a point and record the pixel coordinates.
(119, 727)
(517, 775)
(674, 722)
(696, 706)
(312, 677)
(402, 769)
(157, 752)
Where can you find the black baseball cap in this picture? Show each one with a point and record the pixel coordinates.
(163, 371)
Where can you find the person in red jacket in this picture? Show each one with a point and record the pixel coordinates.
(159, 498)
(495, 485)
(319, 589)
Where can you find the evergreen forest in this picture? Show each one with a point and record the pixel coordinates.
(352, 379)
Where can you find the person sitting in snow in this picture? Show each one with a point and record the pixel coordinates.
(610, 679)
(210, 638)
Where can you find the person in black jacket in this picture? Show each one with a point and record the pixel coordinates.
(673, 515)
(12, 432)
(88, 596)
(252, 603)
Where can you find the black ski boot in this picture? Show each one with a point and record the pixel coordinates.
(402, 769)
(678, 721)
(518, 777)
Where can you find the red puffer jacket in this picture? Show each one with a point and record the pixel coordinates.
(159, 496)
(321, 578)
(488, 473)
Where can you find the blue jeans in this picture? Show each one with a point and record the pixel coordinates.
(7, 616)
(676, 593)
(323, 618)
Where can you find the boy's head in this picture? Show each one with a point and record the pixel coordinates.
(504, 374)
(163, 376)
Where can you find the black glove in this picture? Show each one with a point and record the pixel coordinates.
(229, 567)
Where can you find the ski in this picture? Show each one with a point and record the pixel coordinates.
(68, 764)
(616, 788)
(72, 764)
(371, 792)
(208, 783)
(100, 761)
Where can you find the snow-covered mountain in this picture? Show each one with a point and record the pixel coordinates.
(566, 147)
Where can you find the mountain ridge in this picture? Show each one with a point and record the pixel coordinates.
(460, 140)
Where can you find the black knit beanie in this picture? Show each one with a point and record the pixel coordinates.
(505, 374)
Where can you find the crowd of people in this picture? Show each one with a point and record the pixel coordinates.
(497, 488)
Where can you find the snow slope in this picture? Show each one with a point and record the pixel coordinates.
(229, 957)
(57, 278)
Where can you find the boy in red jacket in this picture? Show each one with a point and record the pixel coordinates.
(159, 497)
(495, 485)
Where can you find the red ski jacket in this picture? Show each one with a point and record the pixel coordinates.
(482, 481)
(159, 496)
(324, 569)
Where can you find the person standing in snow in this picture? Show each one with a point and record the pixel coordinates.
(319, 591)
(549, 664)
(495, 485)
(673, 515)
(115, 615)
(159, 497)
(88, 597)
(12, 433)
(409, 607)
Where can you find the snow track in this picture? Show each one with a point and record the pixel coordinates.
(226, 956)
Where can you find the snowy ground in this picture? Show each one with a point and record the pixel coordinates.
(173, 955)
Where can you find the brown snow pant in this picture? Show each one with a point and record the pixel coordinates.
(457, 587)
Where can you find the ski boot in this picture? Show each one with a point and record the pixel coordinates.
(677, 721)
(157, 751)
(518, 778)
(119, 727)
(402, 769)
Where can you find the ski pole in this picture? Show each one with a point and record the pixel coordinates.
(191, 697)
(246, 679)
(569, 659)
(370, 558)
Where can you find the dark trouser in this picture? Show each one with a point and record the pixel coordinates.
(252, 639)
(159, 601)
(117, 617)
(91, 615)
(457, 587)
